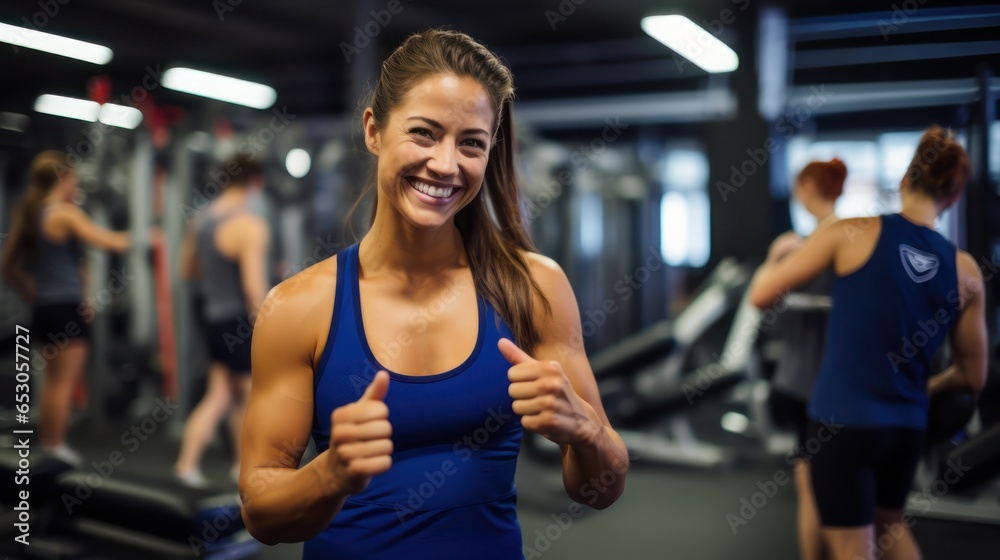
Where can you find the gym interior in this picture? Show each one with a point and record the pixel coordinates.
(656, 177)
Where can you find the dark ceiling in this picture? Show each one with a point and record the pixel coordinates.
(296, 46)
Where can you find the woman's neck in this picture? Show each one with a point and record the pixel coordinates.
(395, 246)
(920, 210)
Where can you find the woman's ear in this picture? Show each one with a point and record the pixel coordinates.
(372, 139)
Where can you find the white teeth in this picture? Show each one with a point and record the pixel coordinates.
(436, 192)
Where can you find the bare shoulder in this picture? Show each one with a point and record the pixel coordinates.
(298, 311)
(542, 268)
(62, 218)
(561, 308)
(252, 225)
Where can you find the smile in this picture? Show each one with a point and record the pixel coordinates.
(433, 193)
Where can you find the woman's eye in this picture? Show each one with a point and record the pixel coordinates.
(474, 143)
(422, 132)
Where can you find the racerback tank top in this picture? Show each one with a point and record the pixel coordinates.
(888, 320)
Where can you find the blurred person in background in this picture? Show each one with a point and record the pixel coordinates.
(817, 188)
(869, 408)
(43, 260)
(225, 249)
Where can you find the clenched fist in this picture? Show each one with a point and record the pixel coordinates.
(360, 447)
(546, 400)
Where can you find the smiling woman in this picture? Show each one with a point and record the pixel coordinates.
(416, 358)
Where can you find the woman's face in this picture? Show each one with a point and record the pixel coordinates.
(432, 152)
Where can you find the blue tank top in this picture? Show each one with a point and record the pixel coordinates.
(450, 491)
(888, 320)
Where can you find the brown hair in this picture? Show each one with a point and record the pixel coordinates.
(829, 177)
(499, 270)
(242, 169)
(47, 169)
(940, 167)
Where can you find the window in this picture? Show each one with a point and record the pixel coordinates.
(684, 210)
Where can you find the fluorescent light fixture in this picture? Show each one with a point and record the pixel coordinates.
(297, 162)
(69, 107)
(692, 42)
(55, 44)
(120, 115)
(222, 88)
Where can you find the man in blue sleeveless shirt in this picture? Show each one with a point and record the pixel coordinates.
(901, 289)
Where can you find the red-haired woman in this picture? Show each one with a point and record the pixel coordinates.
(416, 357)
(901, 289)
(817, 188)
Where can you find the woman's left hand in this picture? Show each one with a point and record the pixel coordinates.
(546, 401)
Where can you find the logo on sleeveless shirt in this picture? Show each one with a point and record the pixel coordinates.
(919, 265)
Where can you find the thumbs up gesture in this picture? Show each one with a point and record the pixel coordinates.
(545, 399)
(360, 447)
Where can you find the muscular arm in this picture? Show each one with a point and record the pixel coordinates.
(593, 472)
(71, 219)
(281, 502)
(968, 337)
(776, 277)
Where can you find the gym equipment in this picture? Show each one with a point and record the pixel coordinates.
(643, 383)
(97, 512)
(948, 414)
(963, 484)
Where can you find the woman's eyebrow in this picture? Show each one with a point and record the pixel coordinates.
(436, 124)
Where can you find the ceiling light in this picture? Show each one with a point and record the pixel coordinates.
(222, 88)
(69, 107)
(55, 44)
(692, 42)
(120, 115)
(297, 162)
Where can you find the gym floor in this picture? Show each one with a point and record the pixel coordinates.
(677, 513)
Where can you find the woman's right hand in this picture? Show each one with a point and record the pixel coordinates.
(360, 444)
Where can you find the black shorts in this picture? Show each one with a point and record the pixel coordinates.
(790, 413)
(229, 343)
(58, 323)
(855, 470)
